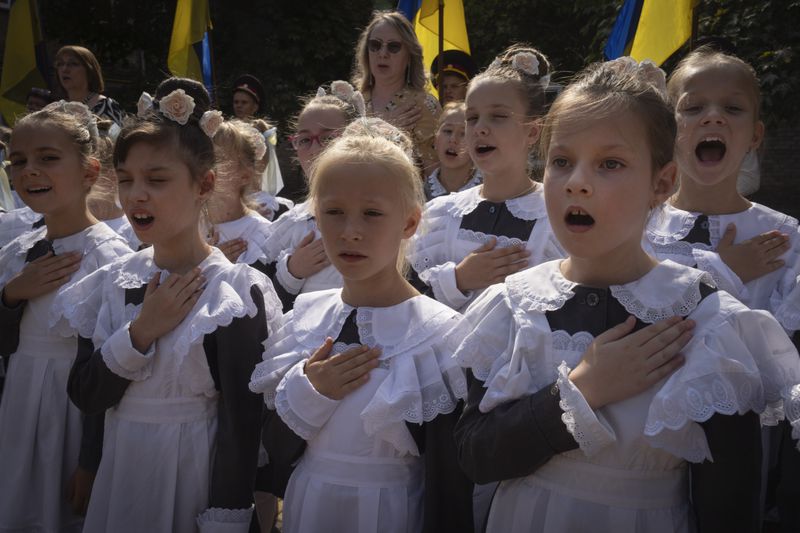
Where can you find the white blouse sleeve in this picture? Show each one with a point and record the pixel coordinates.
(726, 279)
(784, 302)
(123, 359)
(292, 284)
(299, 404)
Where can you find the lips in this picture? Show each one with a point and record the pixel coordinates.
(352, 257)
(710, 150)
(141, 220)
(578, 220)
(483, 149)
(451, 153)
(38, 189)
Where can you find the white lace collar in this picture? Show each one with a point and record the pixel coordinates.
(669, 289)
(139, 267)
(395, 329)
(529, 206)
(251, 227)
(84, 240)
(437, 189)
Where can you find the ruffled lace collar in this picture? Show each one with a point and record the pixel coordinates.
(529, 206)
(139, 268)
(322, 314)
(437, 189)
(84, 240)
(669, 289)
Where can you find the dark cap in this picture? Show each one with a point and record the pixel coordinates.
(252, 86)
(455, 62)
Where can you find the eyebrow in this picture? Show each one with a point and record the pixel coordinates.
(605, 147)
(38, 149)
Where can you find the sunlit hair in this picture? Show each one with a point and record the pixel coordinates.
(94, 74)
(103, 201)
(239, 149)
(605, 90)
(707, 58)
(377, 150)
(327, 101)
(377, 127)
(529, 86)
(362, 76)
(71, 118)
(450, 108)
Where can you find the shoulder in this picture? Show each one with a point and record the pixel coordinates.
(669, 224)
(771, 219)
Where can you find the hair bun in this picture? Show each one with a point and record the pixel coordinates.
(645, 71)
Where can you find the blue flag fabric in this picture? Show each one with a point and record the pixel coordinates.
(409, 8)
(622, 34)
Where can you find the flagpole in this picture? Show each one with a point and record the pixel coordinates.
(440, 58)
(695, 25)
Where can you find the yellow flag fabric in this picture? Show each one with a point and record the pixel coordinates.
(426, 25)
(19, 59)
(192, 20)
(664, 26)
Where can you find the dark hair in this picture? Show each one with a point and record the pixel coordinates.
(195, 147)
(94, 74)
(530, 86)
(605, 90)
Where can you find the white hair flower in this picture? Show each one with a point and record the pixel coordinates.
(144, 105)
(359, 104)
(177, 106)
(645, 70)
(210, 122)
(526, 62)
(321, 92)
(259, 142)
(342, 90)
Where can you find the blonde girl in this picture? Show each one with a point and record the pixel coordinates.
(456, 171)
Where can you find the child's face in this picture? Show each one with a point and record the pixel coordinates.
(316, 127)
(449, 142)
(47, 170)
(453, 88)
(159, 195)
(499, 135)
(599, 186)
(361, 220)
(383, 64)
(717, 125)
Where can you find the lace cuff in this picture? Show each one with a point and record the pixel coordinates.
(123, 359)
(442, 279)
(725, 278)
(218, 520)
(299, 404)
(582, 423)
(292, 284)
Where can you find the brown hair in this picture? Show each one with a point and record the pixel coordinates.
(94, 74)
(604, 90)
(706, 57)
(530, 86)
(362, 77)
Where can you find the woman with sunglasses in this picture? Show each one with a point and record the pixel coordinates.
(80, 79)
(390, 73)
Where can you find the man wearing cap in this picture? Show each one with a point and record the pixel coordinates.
(457, 70)
(248, 94)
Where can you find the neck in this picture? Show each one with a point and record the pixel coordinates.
(452, 179)
(182, 253)
(617, 267)
(719, 199)
(382, 290)
(225, 209)
(78, 95)
(388, 87)
(68, 222)
(510, 185)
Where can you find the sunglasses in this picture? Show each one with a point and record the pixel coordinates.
(375, 46)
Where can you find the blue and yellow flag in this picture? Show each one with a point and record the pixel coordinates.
(424, 14)
(189, 47)
(23, 59)
(650, 29)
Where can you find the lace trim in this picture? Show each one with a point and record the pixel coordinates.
(463, 202)
(419, 333)
(707, 266)
(532, 298)
(281, 402)
(530, 206)
(660, 238)
(436, 187)
(25, 242)
(680, 249)
(590, 437)
(564, 342)
(482, 238)
(225, 516)
(681, 307)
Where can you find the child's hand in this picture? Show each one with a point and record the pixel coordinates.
(754, 257)
(165, 306)
(79, 488)
(404, 116)
(41, 276)
(618, 366)
(339, 375)
(233, 249)
(308, 258)
(489, 265)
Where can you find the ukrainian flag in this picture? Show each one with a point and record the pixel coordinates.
(23, 59)
(424, 14)
(650, 29)
(189, 47)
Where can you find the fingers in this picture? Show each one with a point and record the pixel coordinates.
(308, 239)
(765, 238)
(729, 235)
(670, 366)
(645, 335)
(152, 285)
(487, 246)
(322, 352)
(775, 247)
(669, 341)
(617, 332)
(54, 263)
(355, 358)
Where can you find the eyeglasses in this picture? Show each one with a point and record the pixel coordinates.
(303, 141)
(375, 46)
(71, 64)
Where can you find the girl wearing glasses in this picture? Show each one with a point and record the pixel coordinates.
(297, 261)
(390, 73)
(80, 79)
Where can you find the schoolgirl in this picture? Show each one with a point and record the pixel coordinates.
(378, 379)
(169, 336)
(588, 426)
(46, 446)
(475, 238)
(456, 171)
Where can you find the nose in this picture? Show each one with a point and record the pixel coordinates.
(579, 183)
(713, 115)
(135, 192)
(352, 230)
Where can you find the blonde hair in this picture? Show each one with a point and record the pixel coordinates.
(239, 147)
(377, 127)
(706, 57)
(365, 149)
(362, 76)
(604, 90)
(103, 198)
(448, 109)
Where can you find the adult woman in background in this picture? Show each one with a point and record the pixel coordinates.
(390, 73)
(80, 79)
